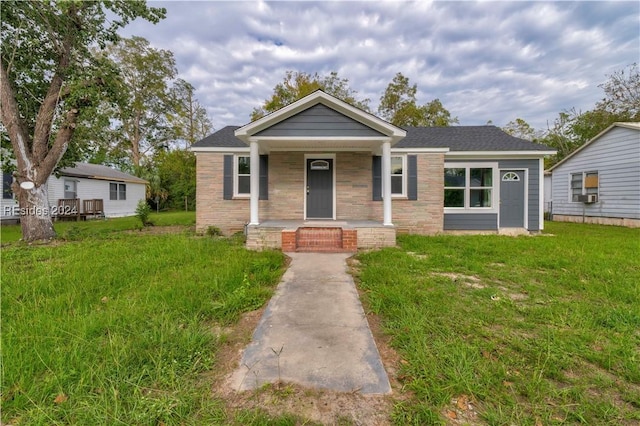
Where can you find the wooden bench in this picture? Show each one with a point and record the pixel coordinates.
(68, 208)
(93, 207)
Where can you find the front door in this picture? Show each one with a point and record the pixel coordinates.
(319, 188)
(512, 198)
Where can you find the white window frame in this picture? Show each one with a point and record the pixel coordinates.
(118, 185)
(404, 177)
(495, 187)
(72, 183)
(236, 176)
(583, 189)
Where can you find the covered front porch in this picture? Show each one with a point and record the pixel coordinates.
(320, 235)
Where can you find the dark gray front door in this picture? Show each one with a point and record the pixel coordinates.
(319, 188)
(512, 198)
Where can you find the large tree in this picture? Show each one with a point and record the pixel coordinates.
(572, 128)
(144, 116)
(49, 81)
(521, 129)
(190, 120)
(296, 85)
(399, 106)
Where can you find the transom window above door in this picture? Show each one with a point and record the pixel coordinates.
(319, 165)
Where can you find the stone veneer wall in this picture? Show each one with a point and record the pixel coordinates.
(353, 189)
(426, 214)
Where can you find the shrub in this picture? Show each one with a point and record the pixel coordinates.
(214, 231)
(142, 212)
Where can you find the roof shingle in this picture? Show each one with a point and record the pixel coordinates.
(456, 138)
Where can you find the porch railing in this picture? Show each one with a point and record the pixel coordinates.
(69, 208)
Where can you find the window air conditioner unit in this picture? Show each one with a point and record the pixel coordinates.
(591, 198)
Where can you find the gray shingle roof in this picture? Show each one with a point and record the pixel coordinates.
(466, 138)
(223, 138)
(456, 138)
(99, 171)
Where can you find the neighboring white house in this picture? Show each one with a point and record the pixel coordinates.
(600, 181)
(547, 192)
(8, 203)
(120, 192)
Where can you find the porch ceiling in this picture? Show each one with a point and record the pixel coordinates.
(321, 144)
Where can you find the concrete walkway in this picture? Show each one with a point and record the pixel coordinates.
(316, 324)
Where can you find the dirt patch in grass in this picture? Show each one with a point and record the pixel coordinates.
(158, 230)
(468, 280)
(310, 405)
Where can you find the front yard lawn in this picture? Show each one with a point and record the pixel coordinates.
(119, 327)
(126, 327)
(502, 330)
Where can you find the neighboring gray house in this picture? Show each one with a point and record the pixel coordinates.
(600, 181)
(322, 169)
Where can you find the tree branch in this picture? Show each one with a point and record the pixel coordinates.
(59, 146)
(45, 116)
(12, 120)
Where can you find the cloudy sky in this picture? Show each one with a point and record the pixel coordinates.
(485, 61)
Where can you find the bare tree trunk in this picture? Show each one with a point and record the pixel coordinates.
(35, 213)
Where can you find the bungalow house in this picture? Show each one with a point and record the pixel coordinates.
(85, 189)
(600, 181)
(320, 174)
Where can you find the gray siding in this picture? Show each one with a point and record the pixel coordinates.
(533, 186)
(319, 120)
(616, 158)
(470, 221)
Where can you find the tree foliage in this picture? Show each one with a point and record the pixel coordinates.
(50, 81)
(190, 120)
(622, 93)
(521, 129)
(144, 115)
(172, 179)
(297, 85)
(399, 106)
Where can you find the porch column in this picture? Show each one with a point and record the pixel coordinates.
(254, 165)
(386, 183)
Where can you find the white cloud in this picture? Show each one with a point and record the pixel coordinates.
(485, 61)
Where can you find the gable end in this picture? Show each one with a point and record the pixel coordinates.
(319, 120)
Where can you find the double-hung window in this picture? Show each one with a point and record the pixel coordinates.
(117, 191)
(398, 176)
(583, 183)
(242, 176)
(469, 186)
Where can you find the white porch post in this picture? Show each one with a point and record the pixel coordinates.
(386, 183)
(254, 165)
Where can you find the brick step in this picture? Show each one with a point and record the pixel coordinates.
(320, 240)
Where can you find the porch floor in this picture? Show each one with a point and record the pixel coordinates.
(321, 223)
(320, 235)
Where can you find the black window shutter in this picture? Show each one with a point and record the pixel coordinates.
(376, 168)
(264, 177)
(227, 180)
(412, 177)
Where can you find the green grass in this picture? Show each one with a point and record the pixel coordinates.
(77, 230)
(534, 330)
(118, 328)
